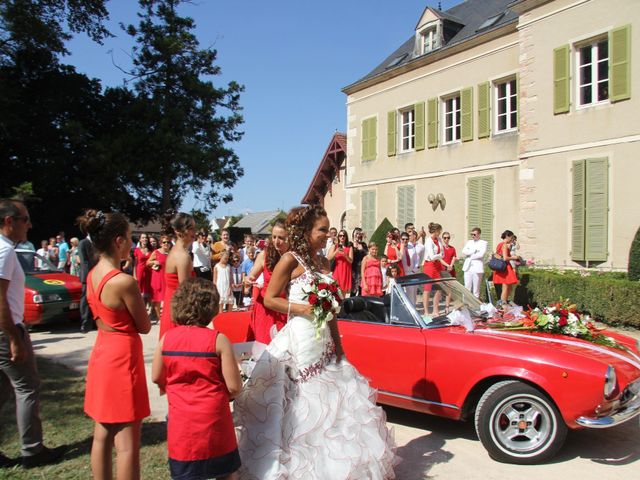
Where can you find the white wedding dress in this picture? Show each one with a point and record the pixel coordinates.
(301, 415)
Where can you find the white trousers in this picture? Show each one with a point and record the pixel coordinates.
(472, 281)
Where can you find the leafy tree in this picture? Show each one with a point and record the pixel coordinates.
(379, 236)
(188, 122)
(634, 258)
(201, 219)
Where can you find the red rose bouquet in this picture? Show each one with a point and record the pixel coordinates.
(326, 298)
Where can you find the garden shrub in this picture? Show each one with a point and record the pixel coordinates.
(634, 258)
(379, 236)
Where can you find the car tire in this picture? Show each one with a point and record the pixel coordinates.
(519, 424)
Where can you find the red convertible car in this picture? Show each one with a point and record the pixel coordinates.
(523, 389)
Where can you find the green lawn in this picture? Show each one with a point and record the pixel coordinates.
(64, 422)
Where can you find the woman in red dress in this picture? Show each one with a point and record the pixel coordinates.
(448, 261)
(371, 272)
(392, 251)
(433, 254)
(116, 395)
(197, 368)
(508, 277)
(262, 318)
(157, 261)
(179, 265)
(342, 252)
(143, 271)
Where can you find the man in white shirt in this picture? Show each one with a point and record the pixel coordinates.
(17, 360)
(473, 267)
(332, 239)
(202, 256)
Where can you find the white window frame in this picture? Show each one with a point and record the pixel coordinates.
(454, 112)
(510, 92)
(407, 117)
(428, 40)
(593, 81)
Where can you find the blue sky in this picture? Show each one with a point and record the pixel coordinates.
(293, 57)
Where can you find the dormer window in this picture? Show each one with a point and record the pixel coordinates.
(429, 37)
(429, 40)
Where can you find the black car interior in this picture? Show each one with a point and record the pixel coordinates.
(368, 309)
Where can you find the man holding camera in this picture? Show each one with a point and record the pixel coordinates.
(202, 256)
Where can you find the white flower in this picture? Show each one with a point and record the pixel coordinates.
(323, 293)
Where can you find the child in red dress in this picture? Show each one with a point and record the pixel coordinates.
(195, 365)
(371, 272)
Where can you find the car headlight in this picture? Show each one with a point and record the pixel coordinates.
(51, 297)
(610, 381)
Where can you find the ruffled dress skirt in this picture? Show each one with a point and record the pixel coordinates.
(301, 415)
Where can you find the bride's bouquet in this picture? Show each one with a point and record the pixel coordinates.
(326, 298)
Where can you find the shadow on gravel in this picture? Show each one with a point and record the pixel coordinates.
(612, 446)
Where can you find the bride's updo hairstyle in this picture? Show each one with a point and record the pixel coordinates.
(103, 228)
(174, 223)
(300, 222)
(272, 255)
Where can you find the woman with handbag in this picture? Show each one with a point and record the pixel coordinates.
(507, 277)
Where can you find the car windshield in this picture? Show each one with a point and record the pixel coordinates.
(443, 296)
(31, 262)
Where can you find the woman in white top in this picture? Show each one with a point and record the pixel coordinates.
(433, 254)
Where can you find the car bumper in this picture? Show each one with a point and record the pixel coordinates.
(625, 410)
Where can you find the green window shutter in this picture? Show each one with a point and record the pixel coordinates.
(561, 77)
(577, 211)
(369, 139)
(596, 209)
(486, 209)
(620, 63)
(402, 212)
(368, 220)
(466, 114)
(410, 198)
(365, 140)
(392, 121)
(418, 109)
(373, 138)
(432, 122)
(480, 207)
(484, 110)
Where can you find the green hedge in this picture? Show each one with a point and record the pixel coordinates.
(605, 297)
(379, 236)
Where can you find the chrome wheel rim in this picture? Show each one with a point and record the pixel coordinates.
(522, 425)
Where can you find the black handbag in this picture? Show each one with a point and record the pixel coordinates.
(497, 264)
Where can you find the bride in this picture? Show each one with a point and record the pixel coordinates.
(306, 412)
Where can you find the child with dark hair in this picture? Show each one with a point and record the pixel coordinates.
(195, 365)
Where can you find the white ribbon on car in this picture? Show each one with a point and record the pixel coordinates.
(589, 346)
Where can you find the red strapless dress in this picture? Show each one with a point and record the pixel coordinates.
(116, 389)
(171, 283)
(262, 318)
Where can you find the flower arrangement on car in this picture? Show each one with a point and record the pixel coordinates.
(560, 318)
(326, 299)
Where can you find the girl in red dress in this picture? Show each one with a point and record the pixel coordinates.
(392, 251)
(262, 318)
(142, 272)
(371, 272)
(342, 252)
(433, 254)
(179, 265)
(116, 394)
(157, 261)
(196, 366)
(508, 277)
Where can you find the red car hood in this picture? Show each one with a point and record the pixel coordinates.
(625, 360)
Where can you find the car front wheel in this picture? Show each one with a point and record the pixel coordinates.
(519, 424)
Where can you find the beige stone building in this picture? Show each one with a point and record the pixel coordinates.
(505, 114)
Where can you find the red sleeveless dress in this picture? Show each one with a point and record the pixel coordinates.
(200, 434)
(157, 277)
(116, 389)
(143, 272)
(373, 277)
(509, 276)
(343, 269)
(262, 318)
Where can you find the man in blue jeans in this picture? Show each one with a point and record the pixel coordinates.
(17, 360)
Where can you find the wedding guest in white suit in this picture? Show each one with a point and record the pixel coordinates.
(473, 267)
